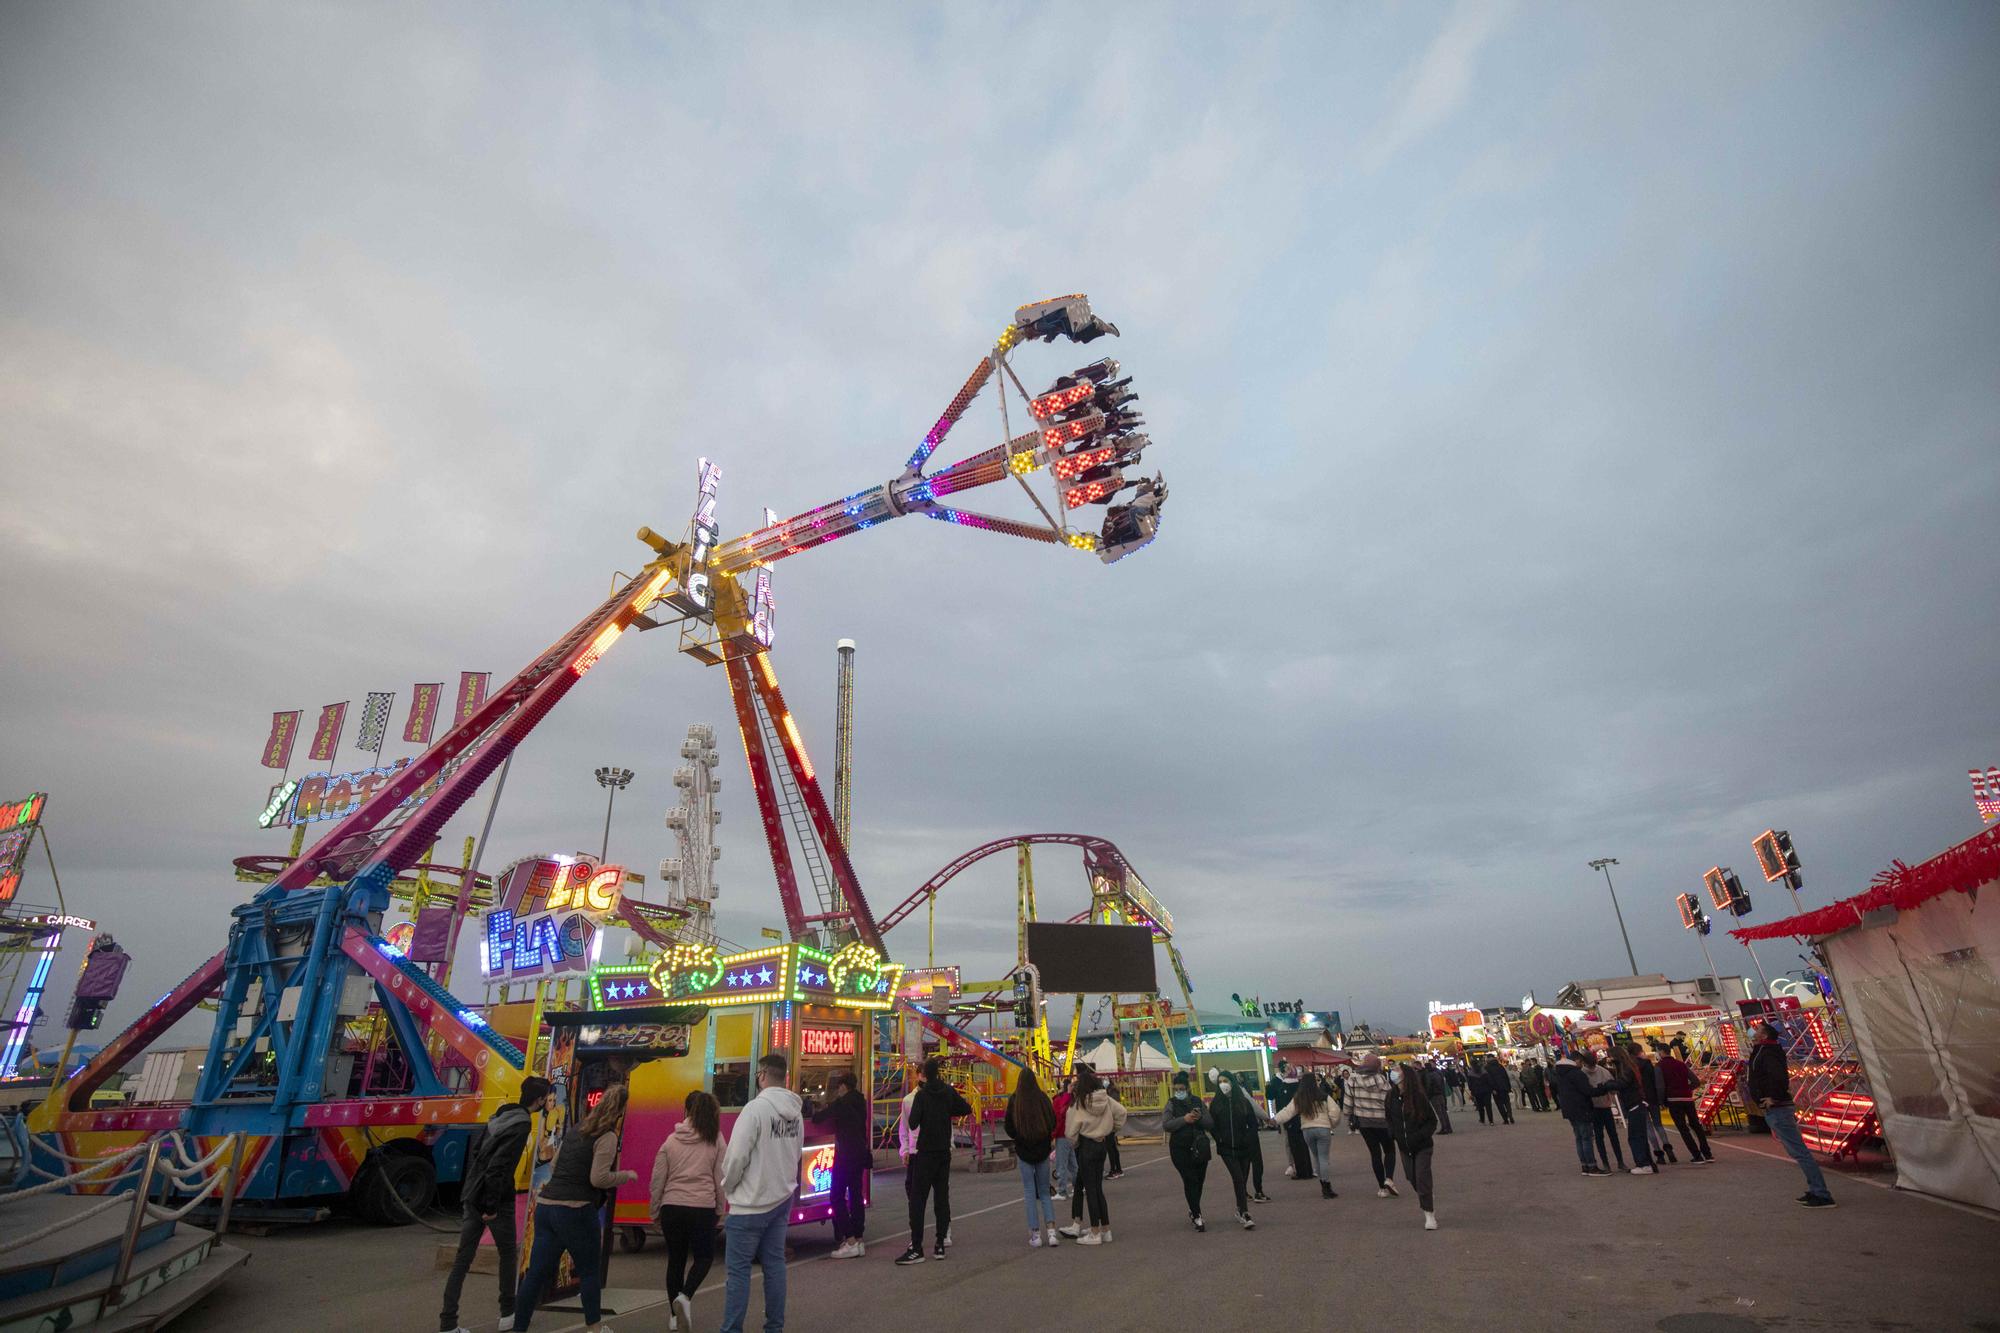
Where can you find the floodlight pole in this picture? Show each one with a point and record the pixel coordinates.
(1605, 863)
(613, 781)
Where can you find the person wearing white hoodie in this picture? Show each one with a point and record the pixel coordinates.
(760, 1173)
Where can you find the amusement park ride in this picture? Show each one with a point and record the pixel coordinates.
(307, 954)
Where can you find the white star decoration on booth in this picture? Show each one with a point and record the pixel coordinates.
(764, 975)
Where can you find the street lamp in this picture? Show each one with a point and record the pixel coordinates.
(613, 780)
(1605, 863)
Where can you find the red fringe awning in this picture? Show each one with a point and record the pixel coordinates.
(1961, 869)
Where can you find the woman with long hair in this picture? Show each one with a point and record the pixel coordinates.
(584, 1179)
(1313, 1111)
(1031, 1124)
(1632, 1101)
(1413, 1123)
(1094, 1116)
(688, 1200)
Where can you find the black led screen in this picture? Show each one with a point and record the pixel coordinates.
(1107, 960)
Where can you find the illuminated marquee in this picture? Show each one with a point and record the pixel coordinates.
(826, 1041)
(1214, 1043)
(855, 978)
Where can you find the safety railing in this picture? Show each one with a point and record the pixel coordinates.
(144, 1208)
(166, 1159)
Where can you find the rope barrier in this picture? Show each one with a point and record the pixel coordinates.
(63, 1182)
(97, 1164)
(193, 1170)
(159, 1214)
(16, 1242)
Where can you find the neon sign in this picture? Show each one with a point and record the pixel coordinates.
(17, 830)
(545, 917)
(816, 1172)
(826, 1041)
(281, 796)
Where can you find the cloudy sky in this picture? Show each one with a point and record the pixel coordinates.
(1580, 427)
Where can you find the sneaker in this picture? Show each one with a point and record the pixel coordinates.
(1260, 1197)
(1200, 1225)
(945, 1239)
(1708, 1159)
(685, 1304)
(1074, 1231)
(1034, 1240)
(1597, 1173)
(1430, 1221)
(1818, 1201)
(937, 1250)
(1088, 1238)
(1389, 1185)
(1050, 1236)
(1291, 1174)
(1114, 1175)
(913, 1255)
(1104, 1236)
(1381, 1191)
(1248, 1225)
(1645, 1170)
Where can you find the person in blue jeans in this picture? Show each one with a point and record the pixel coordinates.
(760, 1173)
(1771, 1089)
(1031, 1125)
(585, 1178)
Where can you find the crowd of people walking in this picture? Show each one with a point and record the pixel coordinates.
(1065, 1147)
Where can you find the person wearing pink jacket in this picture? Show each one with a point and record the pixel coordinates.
(688, 1201)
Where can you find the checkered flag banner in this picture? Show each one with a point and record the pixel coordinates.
(375, 720)
(1986, 793)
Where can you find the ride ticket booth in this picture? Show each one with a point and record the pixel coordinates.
(815, 1008)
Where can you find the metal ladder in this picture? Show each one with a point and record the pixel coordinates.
(794, 807)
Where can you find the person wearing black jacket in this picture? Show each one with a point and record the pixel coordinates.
(933, 1108)
(488, 1198)
(1412, 1123)
(1770, 1086)
(1189, 1122)
(848, 1112)
(1482, 1093)
(1235, 1125)
(1440, 1095)
(1573, 1093)
(1503, 1088)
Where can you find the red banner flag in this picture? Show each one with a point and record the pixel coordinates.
(284, 731)
(471, 692)
(423, 713)
(327, 738)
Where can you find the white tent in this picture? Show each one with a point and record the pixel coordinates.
(1103, 1057)
(1916, 960)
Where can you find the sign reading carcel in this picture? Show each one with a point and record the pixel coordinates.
(545, 916)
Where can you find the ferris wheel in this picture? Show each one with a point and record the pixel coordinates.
(690, 875)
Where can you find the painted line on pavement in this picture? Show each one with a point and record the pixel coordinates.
(1864, 1180)
(718, 1287)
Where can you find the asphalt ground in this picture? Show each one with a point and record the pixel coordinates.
(1525, 1242)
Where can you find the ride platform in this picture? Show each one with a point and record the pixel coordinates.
(64, 1280)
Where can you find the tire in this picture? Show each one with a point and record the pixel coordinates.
(631, 1239)
(396, 1186)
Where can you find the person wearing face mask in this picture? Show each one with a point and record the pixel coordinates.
(1367, 1093)
(1235, 1126)
(1188, 1123)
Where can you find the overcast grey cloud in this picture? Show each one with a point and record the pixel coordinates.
(1580, 424)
